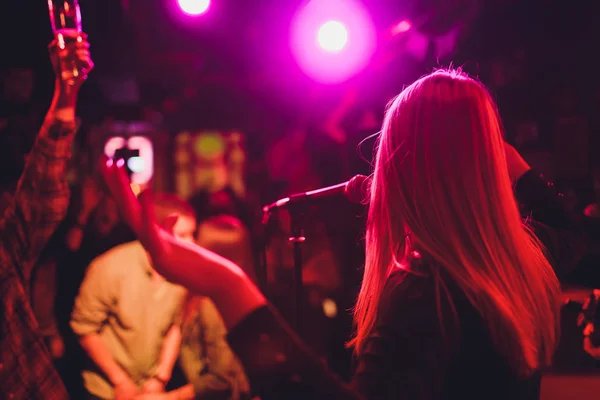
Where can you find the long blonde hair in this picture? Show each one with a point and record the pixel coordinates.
(441, 186)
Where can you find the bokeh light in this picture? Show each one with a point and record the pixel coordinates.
(194, 7)
(332, 40)
(401, 27)
(329, 308)
(332, 36)
(209, 146)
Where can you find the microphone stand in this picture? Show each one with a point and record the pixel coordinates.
(297, 205)
(262, 271)
(297, 213)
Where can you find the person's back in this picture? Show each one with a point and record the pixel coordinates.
(455, 286)
(471, 367)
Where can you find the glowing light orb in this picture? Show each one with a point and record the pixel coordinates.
(332, 36)
(332, 40)
(194, 7)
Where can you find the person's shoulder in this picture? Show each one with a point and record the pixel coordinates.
(113, 259)
(406, 292)
(208, 314)
(427, 294)
(122, 249)
(409, 285)
(418, 291)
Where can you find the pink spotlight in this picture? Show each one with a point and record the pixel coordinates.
(332, 40)
(332, 36)
(194, 7)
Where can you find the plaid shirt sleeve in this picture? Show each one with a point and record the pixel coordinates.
(39, 204)
(41, 199)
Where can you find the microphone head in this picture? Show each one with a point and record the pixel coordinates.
(357, 189)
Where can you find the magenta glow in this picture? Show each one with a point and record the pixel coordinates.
(332, 40)
(194, 7)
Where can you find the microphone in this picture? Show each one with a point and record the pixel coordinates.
(355, 190)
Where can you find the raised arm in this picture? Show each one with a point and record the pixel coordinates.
(242, 306)
(547, 216)
(42, 196)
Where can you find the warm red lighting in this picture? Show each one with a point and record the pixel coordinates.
(194, 7)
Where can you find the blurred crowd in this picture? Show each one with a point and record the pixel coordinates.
(228, 219)
(225, 220)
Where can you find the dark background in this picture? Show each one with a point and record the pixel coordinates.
(237, 55)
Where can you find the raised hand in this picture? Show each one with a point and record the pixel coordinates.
(201, 271)
(119, 186)
(71, 48)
